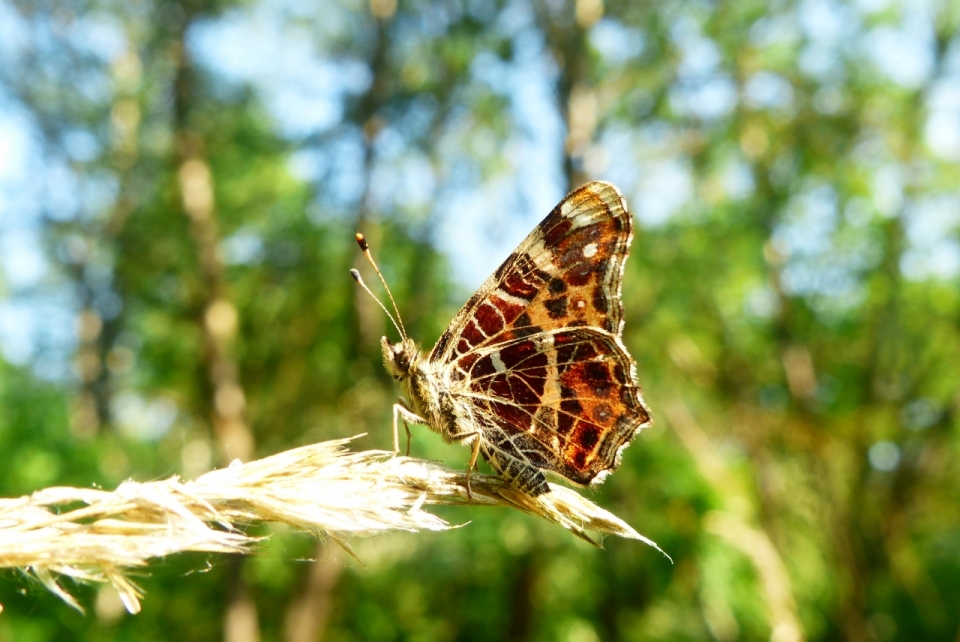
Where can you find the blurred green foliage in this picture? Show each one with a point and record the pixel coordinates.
(194, 172)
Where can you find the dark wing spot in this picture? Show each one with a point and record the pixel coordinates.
(567, 418)
(526, 331)
(472, 301)
(503, 266)
(554, 228)
(600, 300)
(522, 327)
(598, 378)
(557, 286)
(524, 352)
(596, 371)
(482, 368)
(556, 308)
(565, 423)
(571, 406)
(588, 436)
(441, 346)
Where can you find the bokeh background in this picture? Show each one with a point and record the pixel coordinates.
(180, 183)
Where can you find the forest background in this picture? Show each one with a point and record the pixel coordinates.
(180, 183)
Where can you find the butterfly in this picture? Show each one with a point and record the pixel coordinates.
(532, 372)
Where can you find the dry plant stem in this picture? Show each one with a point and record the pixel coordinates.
(322, 489)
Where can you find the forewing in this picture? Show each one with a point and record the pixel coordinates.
(567, 272)
(536, 353)
(560, 400)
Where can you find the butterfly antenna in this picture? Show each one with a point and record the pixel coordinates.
(356, 277)
(398, 322)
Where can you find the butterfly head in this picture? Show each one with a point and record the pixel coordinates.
(401, 358)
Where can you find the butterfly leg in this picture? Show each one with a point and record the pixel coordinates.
(473, 457)
(473, 464)
(407, 416)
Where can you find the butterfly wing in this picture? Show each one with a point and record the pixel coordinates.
(536, 354)
(561, 400)
(566, 272)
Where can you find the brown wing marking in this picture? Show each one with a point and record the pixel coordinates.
(566, 272)
(563, 392)
(586, 249)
